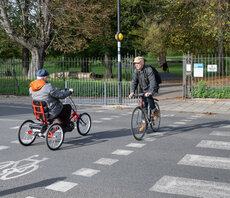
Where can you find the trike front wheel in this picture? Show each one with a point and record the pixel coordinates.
(26, 136)
(84, 124)
(54, 136)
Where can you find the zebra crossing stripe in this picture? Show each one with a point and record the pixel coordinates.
(205, 161)
(214, 144)
(61, 186)
(106, 161)
(220, 133)
(4, 147)
(180, 123)
(86, 172)
(135, 145)
(225, 126)
(191, 187)
(122, 152)
(16, 127)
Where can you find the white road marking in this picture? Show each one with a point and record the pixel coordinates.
(106, 161)
(61, 186)
(122, 152)
(167, 115)
(16, 127)
(205, 161)
(18, 107)
(13, 120)
(86, 172)
(30, 197)
(186, 120)
(106, 118)
(179, 123)
(191, 187)
(149, 139)
(225, 126)
(135, 145)
(4, 147)
(125, 114)
(15, 142)
(115, 116)
(100, 111)
(220, 133)
(173, 125)
(214, 144)
(97, 121)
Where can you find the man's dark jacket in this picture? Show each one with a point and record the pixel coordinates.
(146, 80)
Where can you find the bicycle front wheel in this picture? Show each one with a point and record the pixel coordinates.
(138, 123)
(155, 124)
(84, 124)
(54, 136)
(26, 136)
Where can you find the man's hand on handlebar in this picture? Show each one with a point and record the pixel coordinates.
(148, 94)
(71, 90)
(131, 94)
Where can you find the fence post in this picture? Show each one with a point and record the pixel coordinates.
(105, 96)
(63, 71)
(12, 65)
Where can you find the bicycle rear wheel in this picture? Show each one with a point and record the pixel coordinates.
(54, 136)
(155, 124)
(138, 120)
(26, 136)
(84, 124)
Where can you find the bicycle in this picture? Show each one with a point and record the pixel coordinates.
(140, 116)
(29, 130)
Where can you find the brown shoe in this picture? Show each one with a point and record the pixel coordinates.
(142, 127)
(156, 114)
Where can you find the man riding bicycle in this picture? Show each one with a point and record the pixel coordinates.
(41, 90)
(145, 77)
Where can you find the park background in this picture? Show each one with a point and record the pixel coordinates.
(74, 41)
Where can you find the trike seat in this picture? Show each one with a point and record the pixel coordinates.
(41, 110)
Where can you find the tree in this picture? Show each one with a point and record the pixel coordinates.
(35, 15)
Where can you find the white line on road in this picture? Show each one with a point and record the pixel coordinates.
(13, 120)
(179, 123)
(149, 139)
(106, 118)
(225, 126)
(15, 142)
(4, 147)
(122, 152)
(135, 145)
(86, 172)
(214, 144)
(205, 161)
(97, 121)
(61, 186)
(191, 187)
(220, 133)
(106, 161)
(16, 127)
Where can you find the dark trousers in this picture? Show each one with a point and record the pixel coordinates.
(149, 100)
(65, 115)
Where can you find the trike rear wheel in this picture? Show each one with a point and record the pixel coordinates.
(138, 121)
(26, 136)
(84, 124)
(54, 136)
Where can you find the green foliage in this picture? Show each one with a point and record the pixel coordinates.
(204, 91)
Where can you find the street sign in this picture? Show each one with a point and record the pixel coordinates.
(212, 68)
(198, 70)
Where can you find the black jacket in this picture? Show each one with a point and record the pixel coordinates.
(146, 80)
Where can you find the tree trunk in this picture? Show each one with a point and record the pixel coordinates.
(108, 67)
(161, 58)
(25, 61)
(37, 61)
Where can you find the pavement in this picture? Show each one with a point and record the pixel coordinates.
(170, 99)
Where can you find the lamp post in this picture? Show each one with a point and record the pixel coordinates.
(119, 52)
